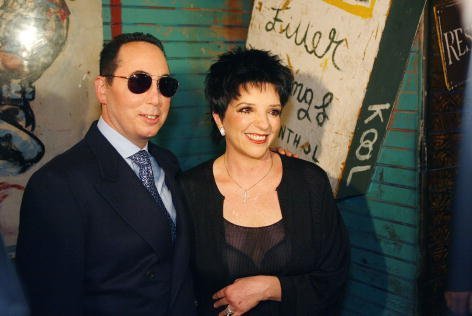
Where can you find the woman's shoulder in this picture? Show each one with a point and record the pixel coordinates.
(198, 174)
(309, 171)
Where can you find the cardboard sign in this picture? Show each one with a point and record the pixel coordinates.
(337, 51)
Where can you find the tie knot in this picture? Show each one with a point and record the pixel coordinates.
(141, 158)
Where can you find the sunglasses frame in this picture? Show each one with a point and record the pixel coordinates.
(158, 79)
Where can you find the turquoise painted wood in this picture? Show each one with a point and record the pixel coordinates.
(224, 5)
(383, 224)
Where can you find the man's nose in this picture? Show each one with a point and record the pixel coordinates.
(154, 93)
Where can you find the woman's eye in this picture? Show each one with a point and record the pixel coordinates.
(245, 110)
(275, 112)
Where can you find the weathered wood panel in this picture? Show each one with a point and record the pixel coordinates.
(384, 224)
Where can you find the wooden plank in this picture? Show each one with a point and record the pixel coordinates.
(390, 193)
(387, 300)
(191, 119)
(185, 66)
(190, 98)
(400, 157)
(381, 280)
(227, 5)
(184, 33)
(187, 162)
(405, 120)
(395, 249)
(182, 146)
(380, 209)
(402, 139)
(175, 17)
(355, 305)
(379, 262)
(408, 101)
(381, 228)
(391, 175)
(410, 80)
(184, 132)
(189, 82)
(198, 49)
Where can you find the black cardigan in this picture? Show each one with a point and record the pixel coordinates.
(313, 280)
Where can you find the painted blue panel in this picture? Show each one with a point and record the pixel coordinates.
(394, 194)
(380, 209)
(380, 298)
(401, 139)
(400, 157)
(173, 17)
(405, 120)
(396, 176)
(391, 284)
(379, 262)
(385, 229)
(190, 4)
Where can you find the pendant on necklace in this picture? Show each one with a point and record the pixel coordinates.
(245, 197)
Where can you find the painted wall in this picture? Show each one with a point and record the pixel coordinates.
(384, 225)
(64, 104)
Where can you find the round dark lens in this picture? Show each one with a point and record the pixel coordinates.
(139, 83)
(168, 86)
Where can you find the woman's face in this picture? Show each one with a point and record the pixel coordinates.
(252, 121)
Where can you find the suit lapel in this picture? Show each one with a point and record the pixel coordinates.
(128, 197)
(180, 266)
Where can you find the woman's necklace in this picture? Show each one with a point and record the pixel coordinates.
(245, 191)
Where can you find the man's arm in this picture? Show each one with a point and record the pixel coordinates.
(50, 256)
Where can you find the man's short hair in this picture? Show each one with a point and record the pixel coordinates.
(109, 53)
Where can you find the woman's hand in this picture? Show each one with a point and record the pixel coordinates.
(245, 293)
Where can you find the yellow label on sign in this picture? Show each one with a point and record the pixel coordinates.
(362, 8)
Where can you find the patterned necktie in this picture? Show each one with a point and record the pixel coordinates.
(143, 161)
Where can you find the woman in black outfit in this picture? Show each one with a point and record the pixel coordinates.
(268, 238)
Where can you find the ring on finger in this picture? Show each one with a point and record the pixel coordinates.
(228, 311)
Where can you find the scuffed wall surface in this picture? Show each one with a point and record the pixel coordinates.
(64, 104)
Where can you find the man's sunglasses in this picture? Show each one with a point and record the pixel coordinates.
(140, 82)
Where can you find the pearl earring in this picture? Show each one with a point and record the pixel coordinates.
(222, 131)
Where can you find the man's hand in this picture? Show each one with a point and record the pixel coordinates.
(459, 302)
(283, 152)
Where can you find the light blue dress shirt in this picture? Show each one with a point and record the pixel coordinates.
(126, 149)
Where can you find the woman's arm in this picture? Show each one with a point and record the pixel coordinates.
(320, 289)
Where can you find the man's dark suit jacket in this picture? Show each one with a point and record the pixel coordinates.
(92, 241)
(12, 300)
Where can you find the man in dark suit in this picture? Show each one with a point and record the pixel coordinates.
(459, 289)
(101, 228)
(12, 300)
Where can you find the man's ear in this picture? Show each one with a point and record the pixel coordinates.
(217, 119)
(101, 89)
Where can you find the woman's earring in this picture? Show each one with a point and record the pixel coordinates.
(222, 131)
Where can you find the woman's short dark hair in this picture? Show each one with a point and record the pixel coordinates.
(110, 50)
(241, 67)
